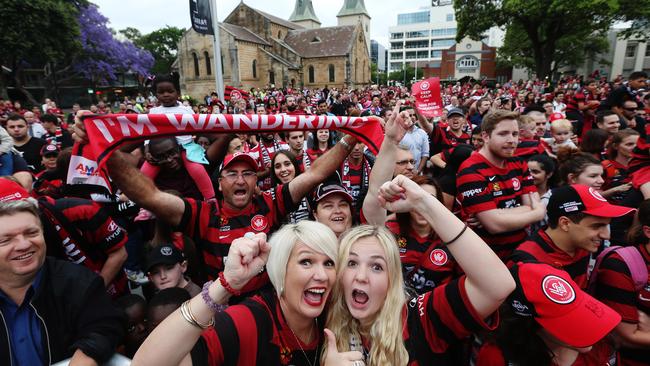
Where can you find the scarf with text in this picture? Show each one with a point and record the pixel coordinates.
(108, 132)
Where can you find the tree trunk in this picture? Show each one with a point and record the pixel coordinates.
(21, 88)
(4, 94)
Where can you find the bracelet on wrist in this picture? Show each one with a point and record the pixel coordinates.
(345, 144)
(457, 236)
(186, 312)
(205, 294)
(226, 285)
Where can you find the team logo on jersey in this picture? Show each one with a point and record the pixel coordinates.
(558, 290)
(438, 257)
(166, 251)
(401, 242)
(516, 184)
(259, 223)
(496, 189)
(223, 221)
(596, 195)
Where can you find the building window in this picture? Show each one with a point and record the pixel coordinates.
(417, 34)
(208, 67)
(254, 69)
(396, 65)
(423, 54)
(467, 62)
(411, 55)
(647, 51)
(271, 77)
(443, 32)
(311, 74)
(442, 43)
(396, 45)
(416, 44)
(331, 72)
(196, 64)
(396, 35)
(630, 51)
(436, 54)
(450, 17)
(413, 18)
(396, 55)
(279, 35)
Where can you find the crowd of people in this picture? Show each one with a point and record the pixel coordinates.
(514, 229)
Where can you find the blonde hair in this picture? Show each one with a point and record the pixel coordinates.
(524, 121)
(561, 123)
(386, 330)
(313, 234)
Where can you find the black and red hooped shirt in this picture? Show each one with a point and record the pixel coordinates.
(255, 332)
(426, 263)
(213, 226)
(442, 139)
(615, 288)
(483, 186)
(540, 248)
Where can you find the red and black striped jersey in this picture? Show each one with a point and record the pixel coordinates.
(491, 355)
(540, 248)
(442, 139)
(574, 100)
(213, 226)
(438, 319)
(483, 187)
(82, 232)
(426, 262)
(254, 332)
(615, 288)
(527, 148)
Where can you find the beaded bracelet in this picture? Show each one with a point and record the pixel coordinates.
(227, 286)
(208, 300)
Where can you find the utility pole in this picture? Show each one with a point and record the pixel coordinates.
(217, 51)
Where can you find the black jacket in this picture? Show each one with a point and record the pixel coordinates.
(76, 313)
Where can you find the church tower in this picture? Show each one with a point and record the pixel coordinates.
(354, 12)
(304, 15)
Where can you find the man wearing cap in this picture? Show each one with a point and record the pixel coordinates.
(578, 222)
(213, 225)
(49, 154)
(332, 206)
(166, 266)
(445, 138)
(550, 321)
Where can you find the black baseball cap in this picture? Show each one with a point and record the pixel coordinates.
(455, 111)
(329, 188)
(50, 149)
(164, 254)
(578, 198)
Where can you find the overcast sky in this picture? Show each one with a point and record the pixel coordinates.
(149, 15)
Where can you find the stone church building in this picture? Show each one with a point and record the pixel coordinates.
(259, 49)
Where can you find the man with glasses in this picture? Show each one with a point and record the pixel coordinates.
(417, 140)
(213, 225)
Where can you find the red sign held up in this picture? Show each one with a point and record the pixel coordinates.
(428, 99)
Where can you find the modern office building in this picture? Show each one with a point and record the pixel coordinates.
(420, 36)
(378, 55)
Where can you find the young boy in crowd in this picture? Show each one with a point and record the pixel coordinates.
(166, 266)
(135, 307)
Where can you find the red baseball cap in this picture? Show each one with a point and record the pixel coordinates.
(559, 305)
(11, 191)
(555, 116)
(567, 200)
(236, 157)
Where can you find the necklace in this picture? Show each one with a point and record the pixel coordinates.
(299, 345)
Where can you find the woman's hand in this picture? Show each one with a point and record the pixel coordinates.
(336, 358)
(246, 259)
(401, 194)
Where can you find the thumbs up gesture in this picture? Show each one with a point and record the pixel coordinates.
(336, 358)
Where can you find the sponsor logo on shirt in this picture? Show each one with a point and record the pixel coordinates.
(472, 192)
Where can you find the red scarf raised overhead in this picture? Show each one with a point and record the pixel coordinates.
(107, 133)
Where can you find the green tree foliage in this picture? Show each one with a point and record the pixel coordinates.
(378, 77)
(405, 75)
(545, 35)
(35, 32)
(162, 43)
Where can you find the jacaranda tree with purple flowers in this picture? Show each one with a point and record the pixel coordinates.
(103, 56)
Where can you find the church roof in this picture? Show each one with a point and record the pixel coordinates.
(353, 7)
(278, 20)
(243, 34)
(322, 42)
(304, 10)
